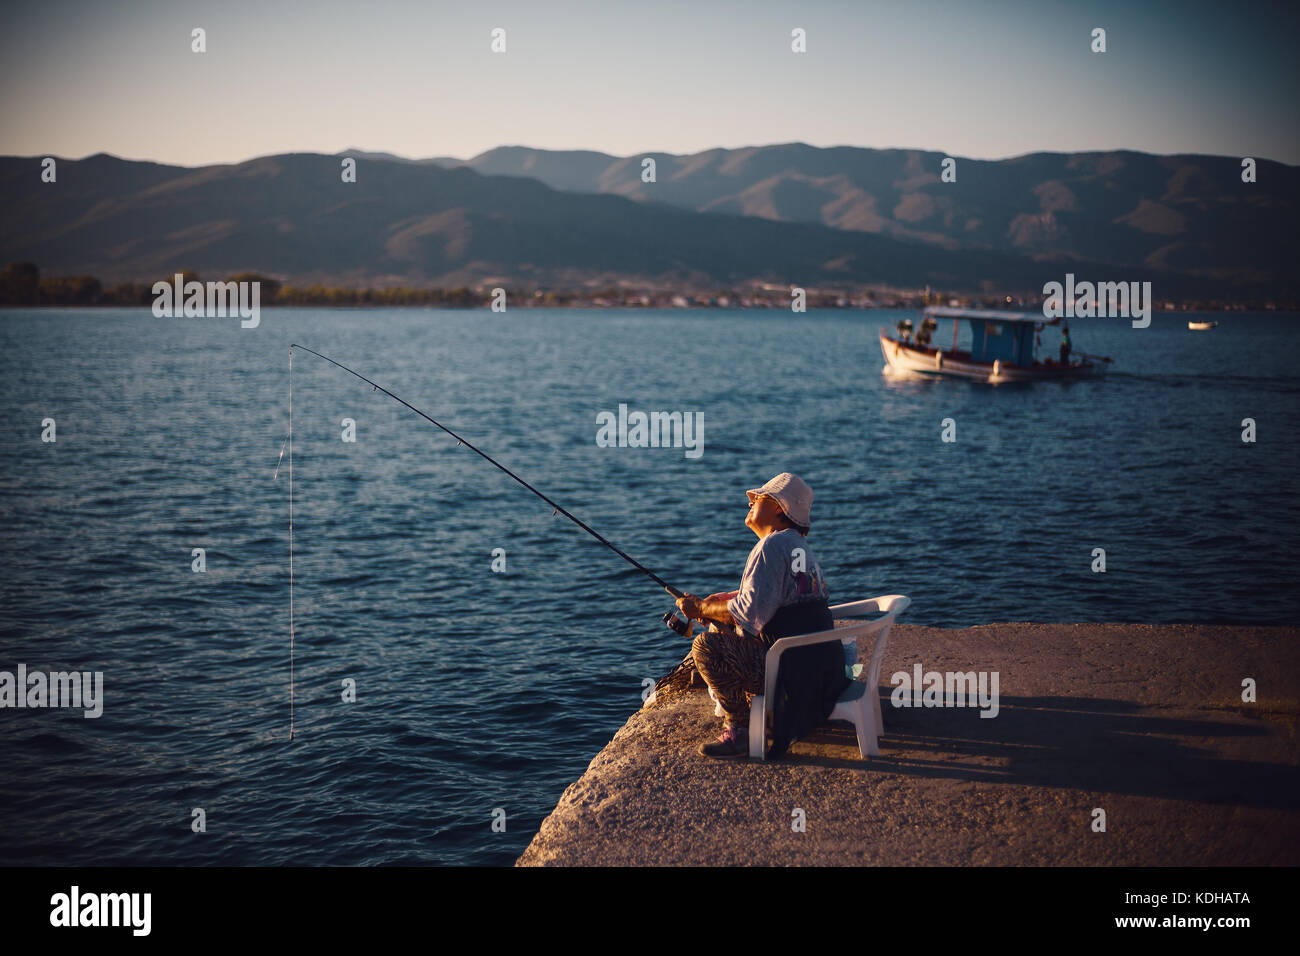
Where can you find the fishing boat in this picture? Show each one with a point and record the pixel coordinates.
(1003, 348)
(1201, 326)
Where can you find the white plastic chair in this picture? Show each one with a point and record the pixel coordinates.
(861, 702)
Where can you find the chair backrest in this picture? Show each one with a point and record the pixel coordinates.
(889, 606)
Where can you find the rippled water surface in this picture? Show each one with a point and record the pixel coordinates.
(479, 690)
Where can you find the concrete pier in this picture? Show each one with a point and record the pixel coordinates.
(1145, 723)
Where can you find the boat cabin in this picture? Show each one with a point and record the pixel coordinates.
(1006, 337)
(993, 339)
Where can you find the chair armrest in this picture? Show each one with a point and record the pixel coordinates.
(895, 603)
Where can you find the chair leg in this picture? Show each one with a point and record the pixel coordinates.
(868, 729)
(757, 729)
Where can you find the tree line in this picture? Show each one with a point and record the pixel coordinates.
(21, 283)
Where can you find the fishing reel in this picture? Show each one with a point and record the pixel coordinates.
(679, 625)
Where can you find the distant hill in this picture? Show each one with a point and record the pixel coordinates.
(1187, 213)
(408, 222)
(360, 154)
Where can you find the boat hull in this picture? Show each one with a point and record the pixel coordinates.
(903, 357)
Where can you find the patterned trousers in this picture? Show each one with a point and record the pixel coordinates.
(732, 666)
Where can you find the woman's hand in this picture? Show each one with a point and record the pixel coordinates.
(690, 606)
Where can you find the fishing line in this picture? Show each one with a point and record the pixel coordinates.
(288, 440)
(462, 441)
(291, 542)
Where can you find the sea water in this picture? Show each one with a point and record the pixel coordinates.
(491, 647)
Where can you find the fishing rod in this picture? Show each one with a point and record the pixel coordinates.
(558, 510)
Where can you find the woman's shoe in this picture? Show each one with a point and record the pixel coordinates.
(734, 742)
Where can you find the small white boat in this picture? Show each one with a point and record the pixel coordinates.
(1003, 347)
(1201, 326)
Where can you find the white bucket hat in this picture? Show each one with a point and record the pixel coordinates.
(793, 495)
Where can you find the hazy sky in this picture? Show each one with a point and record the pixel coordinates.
(974, 79)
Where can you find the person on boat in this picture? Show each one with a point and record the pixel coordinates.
(928, 325)
(1065, 345)
(782, 593)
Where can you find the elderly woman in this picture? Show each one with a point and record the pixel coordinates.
(781, 594)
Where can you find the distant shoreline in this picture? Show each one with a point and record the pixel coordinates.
(373, 307)
(23, 286)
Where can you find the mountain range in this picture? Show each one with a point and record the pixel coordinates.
(787, 214)
(1181, 213)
